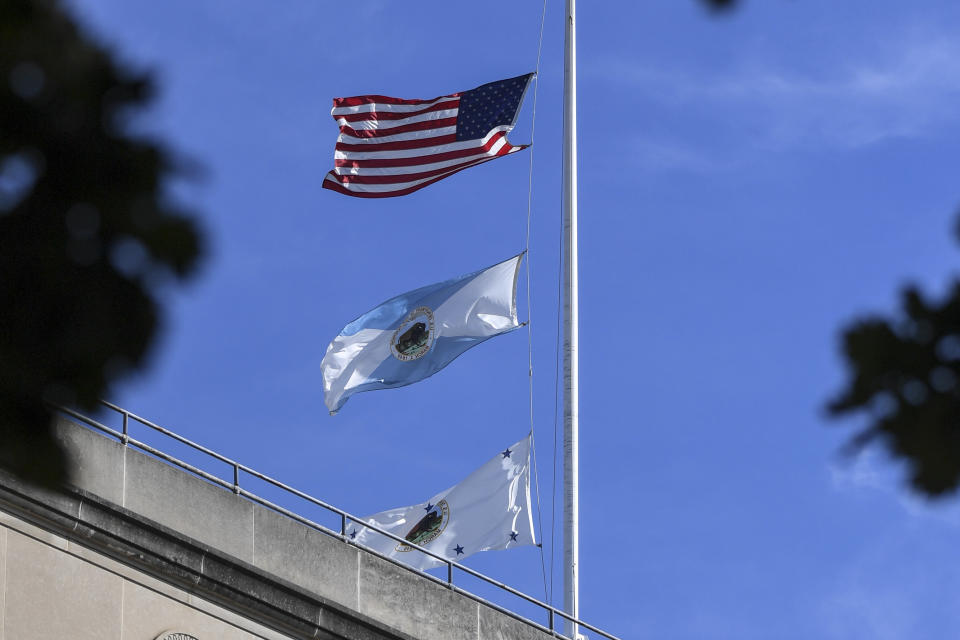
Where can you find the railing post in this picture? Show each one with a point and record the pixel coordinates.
(343, 526)
(126, 435)
(450, 574)
(550, 618)
(236, 478)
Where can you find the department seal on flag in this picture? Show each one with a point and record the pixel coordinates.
(429, 526)
(414, 337)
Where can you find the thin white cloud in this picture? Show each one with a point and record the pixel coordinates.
(898, 585)
(863, 610)
(905, 91)
(873, 472)
(861, 473)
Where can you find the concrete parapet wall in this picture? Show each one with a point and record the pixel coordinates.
(375, 589)
(62, 589)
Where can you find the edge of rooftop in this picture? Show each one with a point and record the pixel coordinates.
(266, 563)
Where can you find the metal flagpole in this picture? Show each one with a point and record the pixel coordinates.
(571, 361)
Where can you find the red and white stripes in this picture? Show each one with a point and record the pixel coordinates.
(392, 147)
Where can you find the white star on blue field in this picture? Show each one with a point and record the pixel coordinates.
(488, 106)
(748, 184)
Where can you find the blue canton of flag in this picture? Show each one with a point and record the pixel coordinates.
(489, 106)
(393, 146)
(414, 335)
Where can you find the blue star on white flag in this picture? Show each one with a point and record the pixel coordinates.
(489, 509)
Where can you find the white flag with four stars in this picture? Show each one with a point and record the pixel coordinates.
(490, 509)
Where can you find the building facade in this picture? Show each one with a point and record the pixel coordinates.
(138, 549)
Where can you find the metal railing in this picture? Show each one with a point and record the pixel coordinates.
(552, 613)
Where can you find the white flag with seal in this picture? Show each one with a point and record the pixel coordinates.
(414, 335)
(488, 510)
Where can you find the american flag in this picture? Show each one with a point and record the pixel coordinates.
(392, 147)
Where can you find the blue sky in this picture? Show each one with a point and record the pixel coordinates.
(748, 185)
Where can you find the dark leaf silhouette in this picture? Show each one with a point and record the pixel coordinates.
(85, 225)
(904, 373)
(720, 5)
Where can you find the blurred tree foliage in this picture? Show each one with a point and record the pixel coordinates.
(905, 374)
(720, 5)
(85, 228)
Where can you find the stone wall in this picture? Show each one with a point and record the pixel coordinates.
(54, 588)
(132, 519)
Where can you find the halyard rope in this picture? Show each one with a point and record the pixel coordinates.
(533, 452)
